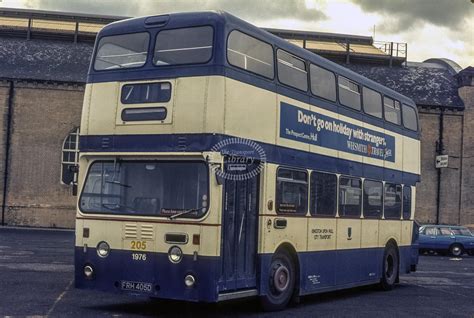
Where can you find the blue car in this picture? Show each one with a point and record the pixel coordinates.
(456, 240)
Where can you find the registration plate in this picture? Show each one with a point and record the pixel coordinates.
(136, 286)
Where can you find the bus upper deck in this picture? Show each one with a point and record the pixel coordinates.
(188, 80)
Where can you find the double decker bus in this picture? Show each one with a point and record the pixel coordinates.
(218, 161)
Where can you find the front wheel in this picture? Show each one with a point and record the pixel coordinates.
(456, 250)
(390, 267)
(281, 282)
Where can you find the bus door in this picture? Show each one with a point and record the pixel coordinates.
(239, 231)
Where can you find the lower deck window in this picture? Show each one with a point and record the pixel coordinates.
(350, 197)
(292, 191)
(373, 191)
(323, 194)
(406, 202)
(393, 201)
(146, 188)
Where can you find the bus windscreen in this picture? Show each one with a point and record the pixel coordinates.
(146, 188)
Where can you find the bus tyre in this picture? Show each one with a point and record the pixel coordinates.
(281, 282)
(456, 250)
(390, 267)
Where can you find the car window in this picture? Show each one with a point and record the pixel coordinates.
(431, 231)
(445, 231)
(461, 231)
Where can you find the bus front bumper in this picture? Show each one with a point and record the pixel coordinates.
(155, 276)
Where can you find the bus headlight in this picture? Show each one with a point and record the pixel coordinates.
(175, 254)
(103, 249)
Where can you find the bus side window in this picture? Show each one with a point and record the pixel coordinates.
(349, 93)
(372, 102)
(292, 191)
(323, 82)
(292, 71)
(393, 201)
(406, 202)
(373, 203)
(392, 110)
(250, 54)
(323, 194)
(409, 117)
(350, 197)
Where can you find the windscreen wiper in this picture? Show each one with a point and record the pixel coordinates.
(174, 216)
(119, 184)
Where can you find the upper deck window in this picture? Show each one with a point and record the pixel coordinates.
(250, 54)
(349, 93)
(323, 82)
(292, 71)
(372, 102)
(409, 117)
(392, 110)
(184, 46)
(122, 51)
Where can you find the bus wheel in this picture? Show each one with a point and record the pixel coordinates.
(281, 282)
(390, 267)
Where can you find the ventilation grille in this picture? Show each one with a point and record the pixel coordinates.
(134, 231)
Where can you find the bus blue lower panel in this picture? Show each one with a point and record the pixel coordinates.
(111, 274)
(158, 277)
(336, 269)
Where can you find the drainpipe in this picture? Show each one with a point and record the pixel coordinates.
(7, 148)
(439, 151)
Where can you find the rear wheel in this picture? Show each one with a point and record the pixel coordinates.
(281, 282)
(390, 267)
(456, 250)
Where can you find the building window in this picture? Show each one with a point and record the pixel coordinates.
(292, 191)
(70, 156)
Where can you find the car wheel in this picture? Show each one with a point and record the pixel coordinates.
(456, 250)
(281, 282)
(390, 267)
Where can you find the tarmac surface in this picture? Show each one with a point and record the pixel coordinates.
(36, 279)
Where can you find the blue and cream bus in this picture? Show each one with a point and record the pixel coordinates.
(218, 161)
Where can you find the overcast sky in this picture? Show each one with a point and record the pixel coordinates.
(432, 28)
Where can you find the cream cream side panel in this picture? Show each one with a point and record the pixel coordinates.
(321, 234)
(370, 233)
(103, 107)
(348, 234)
(407, 229)
(249, 112)
(389, 229)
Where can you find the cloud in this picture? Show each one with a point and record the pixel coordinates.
(247, 9)
(403, 15)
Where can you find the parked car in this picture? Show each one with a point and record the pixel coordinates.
(446, 238)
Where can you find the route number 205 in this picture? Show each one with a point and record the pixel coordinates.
(138, 245)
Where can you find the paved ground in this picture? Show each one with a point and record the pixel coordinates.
(36, 279)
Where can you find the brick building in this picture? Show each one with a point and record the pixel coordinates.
(44, 58)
